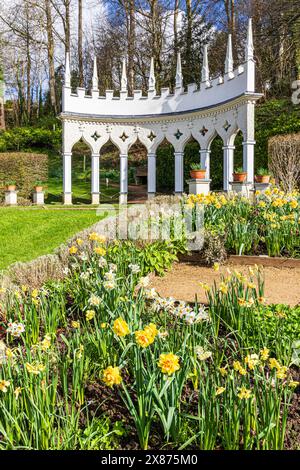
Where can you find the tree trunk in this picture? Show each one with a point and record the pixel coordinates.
(80, 40)
(188, 41)
(131, 46)
(28, 63)
(50, 51)
(67, 26)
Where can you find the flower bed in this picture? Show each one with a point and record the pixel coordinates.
(100, 361)
(268, 225)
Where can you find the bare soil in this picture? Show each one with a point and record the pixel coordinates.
(282, 285)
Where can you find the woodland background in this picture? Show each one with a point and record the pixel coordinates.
(36, 34)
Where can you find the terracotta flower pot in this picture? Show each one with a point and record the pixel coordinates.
(198, 174)
(11, 187)
(265, 179)
(239, 177)
(38, 189)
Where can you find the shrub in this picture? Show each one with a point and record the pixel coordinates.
(213, 250)
(25, 169)
(284, 153)
(25, 138)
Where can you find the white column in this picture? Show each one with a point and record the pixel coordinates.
(179, 174)
(248, 159)
(151, 175)
(205, 161)
(95, 179)
(123, 178)
(67, 177)
(228, 166)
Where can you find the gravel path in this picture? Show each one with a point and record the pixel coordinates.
(282, 286)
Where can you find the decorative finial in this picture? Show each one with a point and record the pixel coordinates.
(205, 67)
(67, 71)
(151, 85)
(95, 75)
(249, 46)
(178, 72)
(229, 57)
(124, 77)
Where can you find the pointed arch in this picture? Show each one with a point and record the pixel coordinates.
(165, 167)
(81, 171)
(191, 155)
(110, 171)
(137, 170)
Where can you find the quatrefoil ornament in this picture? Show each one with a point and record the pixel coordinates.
(178, 134)
(96, 136)
(151, 136)
(124, 136)
(227, 126)
(204, 131)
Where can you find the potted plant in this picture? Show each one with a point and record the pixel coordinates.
(38, 186)
(197, 172)
(10, 185)
(239, 175)
(263, 176)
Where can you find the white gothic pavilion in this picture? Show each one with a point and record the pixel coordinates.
(219, 107)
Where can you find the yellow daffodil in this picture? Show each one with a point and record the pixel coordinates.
(99, 250)
(293, 384)
(216, 267)
(151, 329)
(73, 250)
(143, 338)
(220, 390)
(75, 324)
(90, 314)
(244, 393)
(223, 371)
(120, 327)
(35, 368)
(251, 361)
(237, 366)
(79, 352)
(4, 384)
(168, 363)
(264, 354)
(281, 372)
(46, 343)
(111, 376)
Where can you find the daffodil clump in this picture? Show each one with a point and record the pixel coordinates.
(267, 224)
(104, 343)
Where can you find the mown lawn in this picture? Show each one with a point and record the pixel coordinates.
(26, 233)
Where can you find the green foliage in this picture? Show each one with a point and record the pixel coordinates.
(30, 138)
(159, 256)
(272, 118)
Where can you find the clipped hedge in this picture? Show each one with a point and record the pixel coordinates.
(25, 169)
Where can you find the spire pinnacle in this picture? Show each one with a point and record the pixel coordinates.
(95, 75)
(151, 85)
(205, 67)
(249, 53)
(67, 71)
(124, 77)
(179, 80)
(229, 56)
